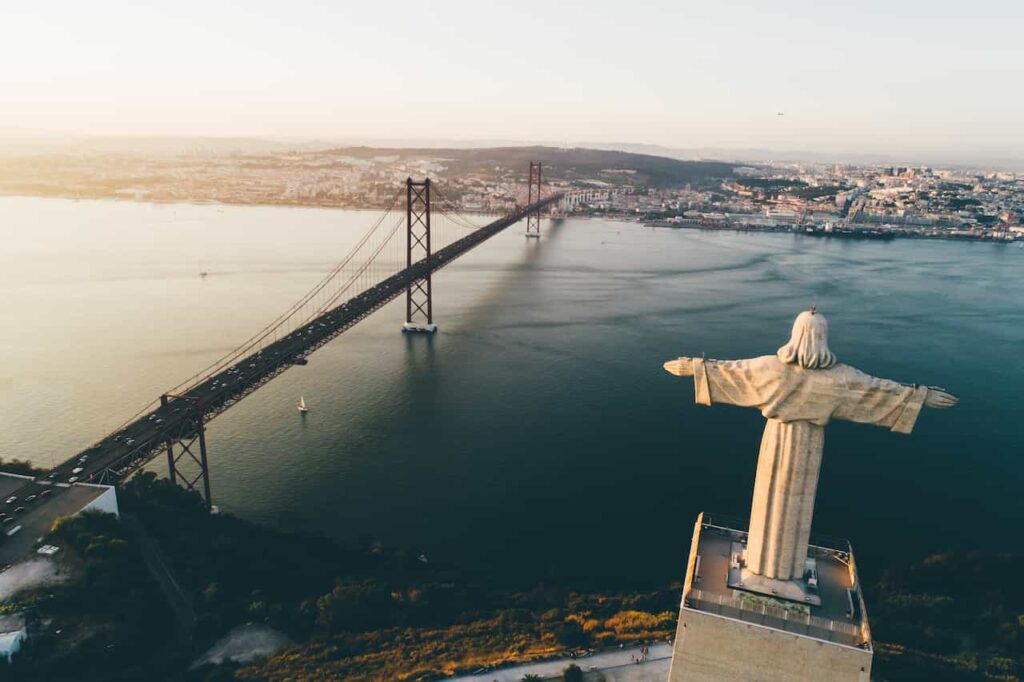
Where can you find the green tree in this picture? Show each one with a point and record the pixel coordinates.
(212, 593)
(573, 674)
(570, 633)
(354, 607)
(19, 466)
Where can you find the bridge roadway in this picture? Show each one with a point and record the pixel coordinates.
(117, 456)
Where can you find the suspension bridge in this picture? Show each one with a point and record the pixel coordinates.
(379, 268)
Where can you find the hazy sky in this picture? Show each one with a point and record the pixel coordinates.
(900, 76)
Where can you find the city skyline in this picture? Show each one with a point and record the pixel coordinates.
(918, 81)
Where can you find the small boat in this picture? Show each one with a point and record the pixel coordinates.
(301, 405)
(203, 274)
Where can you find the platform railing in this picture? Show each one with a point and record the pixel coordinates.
(778, 618)
(742, 527)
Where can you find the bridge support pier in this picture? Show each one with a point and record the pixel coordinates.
(533, 194)
(191, 453)
(419, 304)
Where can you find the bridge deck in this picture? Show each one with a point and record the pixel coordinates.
(35, 522)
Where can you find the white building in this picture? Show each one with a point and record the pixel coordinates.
(12, 634)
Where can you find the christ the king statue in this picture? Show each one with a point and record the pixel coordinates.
(798, 390)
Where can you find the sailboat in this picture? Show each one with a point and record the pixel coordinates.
(301, 405)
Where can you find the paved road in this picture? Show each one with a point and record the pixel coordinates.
(615, 665)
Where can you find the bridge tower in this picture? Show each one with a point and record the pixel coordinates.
(533, 194)
(419, 307)
(191, 440)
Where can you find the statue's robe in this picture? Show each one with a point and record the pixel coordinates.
(797, 403)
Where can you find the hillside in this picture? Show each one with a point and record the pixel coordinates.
(576, 164)
(364, 612)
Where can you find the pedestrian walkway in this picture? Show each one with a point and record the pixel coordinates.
(616, 665)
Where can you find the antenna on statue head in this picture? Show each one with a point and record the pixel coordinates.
(814, 304)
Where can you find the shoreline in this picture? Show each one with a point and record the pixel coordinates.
(187, 202)
(625, 218)
(216, 202)
(841, 235)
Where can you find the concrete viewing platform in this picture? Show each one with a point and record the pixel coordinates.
(826, 604)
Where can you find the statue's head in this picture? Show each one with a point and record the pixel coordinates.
(808, 345)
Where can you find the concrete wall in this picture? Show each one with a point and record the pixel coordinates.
(106, 503)
(711, 648)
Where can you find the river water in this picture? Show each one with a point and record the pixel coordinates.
(536, 435)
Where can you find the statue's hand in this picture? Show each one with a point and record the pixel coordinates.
(681, 366)
(940, 398)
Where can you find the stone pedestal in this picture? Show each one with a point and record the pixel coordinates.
(726, 634)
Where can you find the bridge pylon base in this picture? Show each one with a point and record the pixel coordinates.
(192, 452)
(532, 235)
(533, 194)
(418, 328)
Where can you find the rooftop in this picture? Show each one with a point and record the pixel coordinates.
(839, 617)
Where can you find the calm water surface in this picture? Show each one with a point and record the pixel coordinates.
(536, 435)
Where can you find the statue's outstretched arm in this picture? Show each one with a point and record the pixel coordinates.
(940, 398)
(681, 366)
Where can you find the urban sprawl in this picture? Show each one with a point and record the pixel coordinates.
(877, 202)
